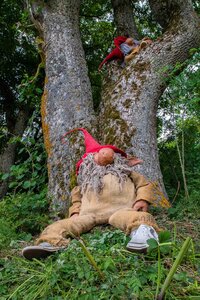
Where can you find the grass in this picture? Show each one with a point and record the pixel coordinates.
(70, 275)
(98, 266)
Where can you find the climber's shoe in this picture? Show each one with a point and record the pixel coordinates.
(143, 44)
(139, 238)
(40, 251)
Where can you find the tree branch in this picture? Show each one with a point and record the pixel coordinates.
(8, 104)
(166, 11)
(124, 19)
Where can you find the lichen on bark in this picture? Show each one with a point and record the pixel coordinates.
(130, 96)
(134, 92)
(67, 100)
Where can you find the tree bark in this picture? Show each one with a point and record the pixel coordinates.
(124, 19)
(130, 96)
(8, 106)
(7, 155)
(162, 11)
(67, 99)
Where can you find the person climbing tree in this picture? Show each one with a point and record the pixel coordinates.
(116, 53)
(126, 48)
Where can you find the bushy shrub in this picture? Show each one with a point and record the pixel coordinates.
(7, 233)
(21, 214)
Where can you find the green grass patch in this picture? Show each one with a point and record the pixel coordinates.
(70, 275)
(112, 273)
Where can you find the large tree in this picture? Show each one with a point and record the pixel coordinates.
(67, 98)
(130, 96)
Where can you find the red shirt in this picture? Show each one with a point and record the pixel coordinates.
(116, 53)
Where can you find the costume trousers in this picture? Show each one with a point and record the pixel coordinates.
(59, 233)
(137, 49)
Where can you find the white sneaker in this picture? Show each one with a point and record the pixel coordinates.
(139, 238)
(41, 251)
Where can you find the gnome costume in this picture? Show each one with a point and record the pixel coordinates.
(107, 192)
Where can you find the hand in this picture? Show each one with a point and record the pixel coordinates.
(133, 161)
(141, 205)
(74, 216)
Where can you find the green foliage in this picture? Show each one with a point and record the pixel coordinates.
(18, 54)
(29, 174)
(196, 6)
(30, 92)
(19, 60)
(69, 274)
(186, 207)
(7, 233)
(17, 49)
(22, 216)
(179, 129)
(144, 21)
(97, 32)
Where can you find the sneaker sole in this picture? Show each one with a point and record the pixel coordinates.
(37, 252)
(143, 250)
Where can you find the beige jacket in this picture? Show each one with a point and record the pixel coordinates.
(112, 198)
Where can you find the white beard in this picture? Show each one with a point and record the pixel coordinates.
(91, 174)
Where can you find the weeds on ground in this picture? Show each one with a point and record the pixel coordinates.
(70, 275)
(126, 275)
(22, 217)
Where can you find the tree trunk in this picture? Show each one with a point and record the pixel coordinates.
(7, 155)
(162, 11)
(123, 17)
(16, 121)
(67, 99)
(130, 96)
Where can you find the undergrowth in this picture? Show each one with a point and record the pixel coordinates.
(21, 217)
(69, 275)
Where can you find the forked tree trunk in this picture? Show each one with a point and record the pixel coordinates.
(130, 96)
(124, 18)
(67, 99)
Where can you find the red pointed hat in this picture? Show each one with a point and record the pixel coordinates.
(91, 145)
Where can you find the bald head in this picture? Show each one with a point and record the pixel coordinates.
(129, 41)
(104, 157)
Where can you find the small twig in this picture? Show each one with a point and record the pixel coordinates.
(177, 191)
(159, 272)
(174, 267)
(181, 160)
(88, 255)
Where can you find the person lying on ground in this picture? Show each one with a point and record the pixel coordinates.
(109, 191)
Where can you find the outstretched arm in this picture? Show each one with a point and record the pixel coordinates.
(114, 54)
(143, 192)
(108, 58)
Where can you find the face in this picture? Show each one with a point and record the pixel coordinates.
(104, 157)
(129, 41)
